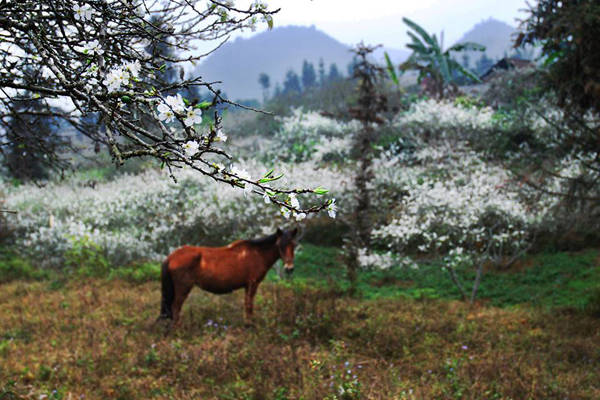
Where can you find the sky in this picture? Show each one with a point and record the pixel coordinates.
(380, 21)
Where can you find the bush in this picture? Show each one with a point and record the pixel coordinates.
(146, 272)
(14, 268)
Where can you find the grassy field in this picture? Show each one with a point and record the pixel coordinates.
(403, 338)
(547, 280)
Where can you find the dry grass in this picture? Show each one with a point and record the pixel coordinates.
(98, 340)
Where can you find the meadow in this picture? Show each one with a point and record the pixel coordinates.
(403, 335)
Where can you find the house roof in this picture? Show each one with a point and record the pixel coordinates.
(506, 64)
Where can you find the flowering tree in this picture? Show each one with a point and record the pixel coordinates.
(90, 64)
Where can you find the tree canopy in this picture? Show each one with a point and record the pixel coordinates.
(568, 31)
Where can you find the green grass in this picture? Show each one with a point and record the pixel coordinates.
(564, 280)
(546, 279)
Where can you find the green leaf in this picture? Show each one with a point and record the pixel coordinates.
(270, 23)
(204, 105)
(268, 174)
(265, 180)
(464, 71)
(163, 68)
(422, 32)
(162, 165)
(391, 69)
(321, 191)
(553, 57)
(126, 99)
(185, 101)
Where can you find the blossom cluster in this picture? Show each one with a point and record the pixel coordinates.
(146, 216)
(308, 135)
(452, 200)
(444, 116)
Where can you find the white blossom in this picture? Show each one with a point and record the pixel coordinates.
(176, 103)
(115, 78)
(94, 47)
(165, 113)
(83, 13)
(332, 209)
(240, 173)
(193, 116)
(293, 200)
(220, 136)
(134, 68)
(191, 148)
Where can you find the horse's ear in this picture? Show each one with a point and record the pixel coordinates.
(294, 232)
(279, 232)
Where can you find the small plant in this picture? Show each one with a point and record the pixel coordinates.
(85, 258)
(592, 305)
(7, 391)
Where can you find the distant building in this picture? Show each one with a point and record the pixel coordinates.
(506, 64)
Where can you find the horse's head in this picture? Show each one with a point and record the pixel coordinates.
(286, 245)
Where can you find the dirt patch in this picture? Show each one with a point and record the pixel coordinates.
(516, 267)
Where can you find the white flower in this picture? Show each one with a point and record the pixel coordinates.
(266, 198)
(294, 201)
(300, 216)
(194, 116)
(94, 47)
(140, 11)
(219, 166)
(134, 68)
(247, 189)
(83, 13)
(191, 148)
(260, 5)
(165, 113)
(285, 212)
(175, 102)
(240, 173)
(115, 79)
(221, 136)
(332, 209)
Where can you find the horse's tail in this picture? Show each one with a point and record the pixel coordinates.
(168, 292)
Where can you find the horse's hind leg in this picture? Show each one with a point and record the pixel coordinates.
(181, 293)
(249, 302)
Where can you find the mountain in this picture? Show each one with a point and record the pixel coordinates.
(495, 35)
(239, 63)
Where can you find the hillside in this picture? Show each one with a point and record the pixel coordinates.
(239, 63)
(495, 35)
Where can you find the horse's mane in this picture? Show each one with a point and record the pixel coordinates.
(263, 241)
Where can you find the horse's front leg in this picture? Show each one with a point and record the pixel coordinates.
(249, 302)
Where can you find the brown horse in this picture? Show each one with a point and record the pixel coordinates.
(220, 270)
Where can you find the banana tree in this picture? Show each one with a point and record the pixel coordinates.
(433, 62)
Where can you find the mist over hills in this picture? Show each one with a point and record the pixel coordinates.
(496, 36)
(239, 63)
